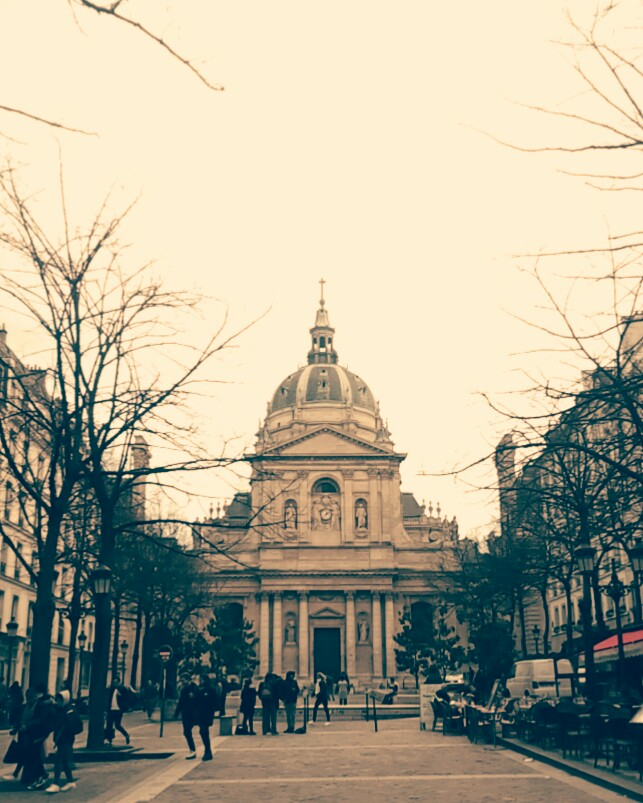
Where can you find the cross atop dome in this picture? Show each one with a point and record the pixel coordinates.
(322, 334)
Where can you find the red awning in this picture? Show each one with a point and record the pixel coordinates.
(607, 650)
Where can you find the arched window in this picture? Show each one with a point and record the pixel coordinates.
(325, 486)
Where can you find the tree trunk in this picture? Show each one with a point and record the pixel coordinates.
(137, 645)
(543, 597)
(116, 638)
(43, 619)
(521, 618)
(71, 661)
(569, 628)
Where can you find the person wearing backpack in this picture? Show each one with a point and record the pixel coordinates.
(268, 693)
(67, 725)
(289, 694)
(117, 705)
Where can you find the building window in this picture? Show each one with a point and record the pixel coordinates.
(8, 500)
(15, 602)
(1, 606)
(17, 568)
(22, 500)
(3, 557)
(60, 637)
(30, 618)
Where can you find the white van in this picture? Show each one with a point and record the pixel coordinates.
(538, 677)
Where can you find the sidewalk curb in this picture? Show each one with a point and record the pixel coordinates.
(625, 788)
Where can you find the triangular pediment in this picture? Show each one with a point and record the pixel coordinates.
(326, 441)
(327, 613)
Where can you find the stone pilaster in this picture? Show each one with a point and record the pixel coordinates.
(303, 635)
(264, 634)
(389, 625)
(377, 635)
(277, 634)
(350, 635)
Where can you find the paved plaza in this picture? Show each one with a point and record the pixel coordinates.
(346, 761)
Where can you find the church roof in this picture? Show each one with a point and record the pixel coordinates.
(410, 506)
(323, 383)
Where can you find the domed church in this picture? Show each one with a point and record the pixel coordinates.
(326, 548)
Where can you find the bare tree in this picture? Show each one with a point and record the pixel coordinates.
(119, 376)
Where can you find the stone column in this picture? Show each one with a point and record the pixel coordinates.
(374, 516)
(303, 635)
(348, 518)
(376, 633)
(277, 634)
(389, 624)
(264, 634)
(350, 635)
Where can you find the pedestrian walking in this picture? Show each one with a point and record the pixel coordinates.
(39, 723)
(247, 706)
(150, 697)
(342, 691)
(269, 693)
(321, 697)
(207, 700)
(117, 705)
(17, 751)
(289, 694)
(67, 726)
(187, 708)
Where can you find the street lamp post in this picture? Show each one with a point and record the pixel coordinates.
(616, 589)
(12, 632)
(82, 640)
(101, 581)
(535, 632)
(124, 646)
(585, 558)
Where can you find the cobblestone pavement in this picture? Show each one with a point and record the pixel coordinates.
(349, 762)
(346, 761)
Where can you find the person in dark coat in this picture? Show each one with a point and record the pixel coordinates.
(187, 709)
(16, 705)
(247, 706)
(289, 694)
(208, 701)
(39, 723)
(67, 726)
(269, 693)
(321, 697)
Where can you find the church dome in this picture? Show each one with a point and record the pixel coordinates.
(323, 382)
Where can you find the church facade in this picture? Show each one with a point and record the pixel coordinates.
(325, 550)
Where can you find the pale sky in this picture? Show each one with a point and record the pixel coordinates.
(349, 143)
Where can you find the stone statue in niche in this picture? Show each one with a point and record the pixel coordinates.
(290, 515)
(290, 632)
(363, 630)
(361, 515)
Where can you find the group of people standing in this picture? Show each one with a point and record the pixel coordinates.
(33, 719)
(274, 690)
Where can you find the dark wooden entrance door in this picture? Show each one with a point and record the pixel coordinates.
(327, 652)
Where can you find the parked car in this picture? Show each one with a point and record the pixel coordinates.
(538, 677)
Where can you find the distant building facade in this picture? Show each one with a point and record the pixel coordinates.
(326, 548)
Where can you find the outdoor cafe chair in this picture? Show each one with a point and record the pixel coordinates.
(437, 715)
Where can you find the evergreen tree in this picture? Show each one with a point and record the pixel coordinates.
(232, 642)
